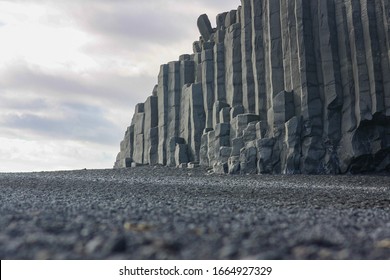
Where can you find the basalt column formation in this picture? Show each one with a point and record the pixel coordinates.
(276, 87)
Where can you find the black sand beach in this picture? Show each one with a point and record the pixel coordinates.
(168, 213)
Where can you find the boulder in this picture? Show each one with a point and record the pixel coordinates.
(181, 154)
(204, 27)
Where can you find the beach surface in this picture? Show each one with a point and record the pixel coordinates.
(170, 213)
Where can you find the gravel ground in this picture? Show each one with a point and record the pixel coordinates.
(168, 213)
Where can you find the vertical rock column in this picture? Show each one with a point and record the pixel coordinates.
(275, 70)
(248, 86)
(185, 114)
(383, 21)
(233, 60)
(174, 95)
(367, 144)
(197, 120)
(187, 70)
(139, 139)
(329, 67)
(162, 97)
(151, 122)
(208, 82)
(197, 58)
(286, 43)
(294, 57)
(219, 59)
(187, 78)
(373, 58)
(125, 155)
(363, 106)
(130, 142)
(219, 69)
(258, 59)
(363, 99)
(349, 122)
(386, 17)
(312, 149)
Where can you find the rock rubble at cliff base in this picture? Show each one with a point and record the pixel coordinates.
(277, 87)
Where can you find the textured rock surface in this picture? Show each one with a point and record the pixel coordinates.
(171, 213)
(288, 86)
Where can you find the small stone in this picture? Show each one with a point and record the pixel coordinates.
(192, 165)
(383, 244)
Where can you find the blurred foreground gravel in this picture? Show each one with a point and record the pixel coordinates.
(168, 213)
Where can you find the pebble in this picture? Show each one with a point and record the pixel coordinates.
(163, 213)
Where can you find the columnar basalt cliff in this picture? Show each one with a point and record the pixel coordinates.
(278, 86)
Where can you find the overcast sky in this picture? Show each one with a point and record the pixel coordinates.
(71, 72)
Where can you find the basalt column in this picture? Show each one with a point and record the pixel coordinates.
(248, 85)
(233, 60)
(139, 137)
(151, 130)
(162, 97)
(284, 86)
(208, 82)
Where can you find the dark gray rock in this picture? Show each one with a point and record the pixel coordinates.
(151, 121)
(218, 106)
(197, 120)
(234, 165)
(171, 156)
(292, 152)
(152, 153)
(230, 18)
(283, 107)
(237, 144)
(265, 148)
(162, 96)
(208, 85)
(212, 148)
(236, 110)
(233, 65)
(240, 123)
(307, 81)
(249, 134)
(221, 20)
(248, 159)
(224, 115)
(224, 154)
(220, 168)
(248, 85)
(261, 129)
(181, 154)
(204, 27)
(204, 150)
(196, 47)
(219, 69)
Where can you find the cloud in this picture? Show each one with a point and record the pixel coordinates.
(72, 71)
(133, 22)
(33, 104)
(141, 26)
(95, 108)
(75, 121)
(96, 87)
(48, 154)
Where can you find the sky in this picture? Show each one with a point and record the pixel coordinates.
(72, 71)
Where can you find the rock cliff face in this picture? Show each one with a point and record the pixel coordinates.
(284, 86)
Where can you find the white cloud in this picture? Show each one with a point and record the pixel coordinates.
(49, 155)
(72, 71)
